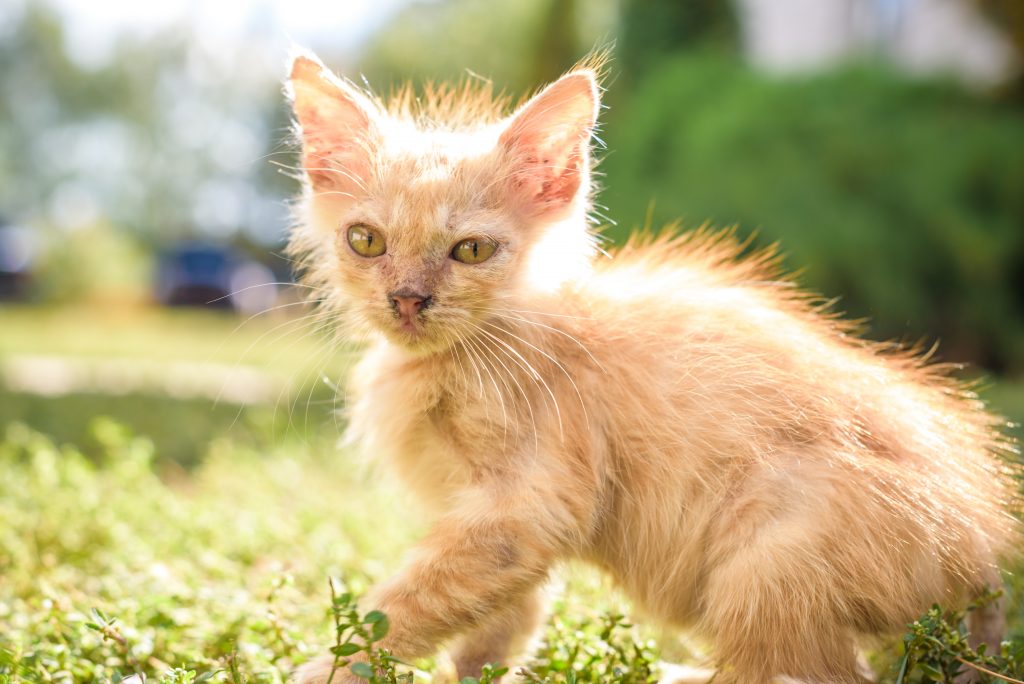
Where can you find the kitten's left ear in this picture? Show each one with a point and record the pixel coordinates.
(338, 124)
(550, 138)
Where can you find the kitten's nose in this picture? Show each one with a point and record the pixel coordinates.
(408, 303)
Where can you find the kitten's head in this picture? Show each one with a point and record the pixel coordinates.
(423, 217)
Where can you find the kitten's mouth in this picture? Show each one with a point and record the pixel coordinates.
(408, 328)
(410, 325)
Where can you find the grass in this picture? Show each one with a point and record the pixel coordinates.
(294, 366)
(108, 569)
(183, 542)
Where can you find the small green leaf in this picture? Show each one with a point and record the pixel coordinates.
(374, 616)
(362, 670)
(469, 680)
(345, 650)
(380, 628)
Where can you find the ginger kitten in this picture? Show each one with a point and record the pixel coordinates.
(678, 416)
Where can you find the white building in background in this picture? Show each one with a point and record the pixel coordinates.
(921, 36)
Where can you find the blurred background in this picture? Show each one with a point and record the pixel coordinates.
(143, 206)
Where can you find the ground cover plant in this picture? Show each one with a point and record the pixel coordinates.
(232, 562)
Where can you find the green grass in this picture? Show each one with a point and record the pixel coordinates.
(299, 367)
(267, 340)
(186, 537)
(224, 567)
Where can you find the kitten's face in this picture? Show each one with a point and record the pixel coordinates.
(421, 232)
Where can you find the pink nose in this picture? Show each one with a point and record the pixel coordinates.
(408, 304)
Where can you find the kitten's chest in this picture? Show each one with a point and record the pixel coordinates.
(403, 410)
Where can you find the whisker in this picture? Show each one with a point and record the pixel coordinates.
(512, 377)
(481, 356)
(553, 360)
(306, 323)
(257, 315)
(535, 376)
(313, 328)
(293, 321)
(252, 287)
(555, 330)
(548, 313)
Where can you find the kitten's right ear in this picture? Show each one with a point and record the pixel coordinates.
(550, 137)
(337, 124)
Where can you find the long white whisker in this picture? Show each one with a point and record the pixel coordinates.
(512, 377)
(311, 330)
(548, 313)
(304, 320)
(537, 378)
(480, 354)
(553, 360)
(257, 315)
(552, 329)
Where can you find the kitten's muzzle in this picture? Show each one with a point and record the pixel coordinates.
(407, 303)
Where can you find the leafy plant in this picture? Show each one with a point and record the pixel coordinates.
(355, 636)
(604, 650)
(936, 649)
(109, 572)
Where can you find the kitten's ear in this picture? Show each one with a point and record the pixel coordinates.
(337, 124)
(550, 138)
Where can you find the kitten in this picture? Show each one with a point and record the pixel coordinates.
(728, 452)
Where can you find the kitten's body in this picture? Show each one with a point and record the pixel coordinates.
(681, 418)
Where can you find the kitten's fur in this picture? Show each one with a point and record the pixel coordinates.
(677, 415)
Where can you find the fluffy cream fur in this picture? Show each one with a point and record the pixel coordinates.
(682, 417)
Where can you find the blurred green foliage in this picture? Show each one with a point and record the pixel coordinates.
(518, 45)
(651, 31)
(901, 197)
(168, 138)
(98, 264)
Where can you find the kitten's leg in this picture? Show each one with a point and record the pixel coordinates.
(494, 549)
(986, 625)
(500, 639)
(770, 610)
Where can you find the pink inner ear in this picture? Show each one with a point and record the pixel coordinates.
(559, 179)
(336, 129)
(551, 135)
(340, 164)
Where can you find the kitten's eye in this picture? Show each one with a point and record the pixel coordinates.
(365, 241)
(474, 250)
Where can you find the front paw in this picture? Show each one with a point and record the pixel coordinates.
(320, 669)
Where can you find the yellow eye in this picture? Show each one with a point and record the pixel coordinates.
(365, 241)
(474, 250)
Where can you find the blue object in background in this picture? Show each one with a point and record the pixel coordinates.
(19, 251)
(211, 275)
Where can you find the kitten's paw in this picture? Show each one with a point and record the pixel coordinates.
(318, 671)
